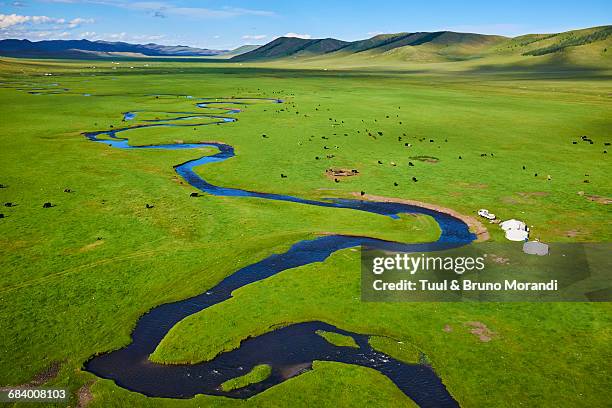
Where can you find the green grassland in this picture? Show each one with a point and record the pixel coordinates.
(257, 374)
(337, 339)
(76, 277)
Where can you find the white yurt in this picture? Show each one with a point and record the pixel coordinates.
(517, 235)
(513, 225)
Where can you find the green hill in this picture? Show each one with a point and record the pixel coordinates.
(419, 47)
(284, 47)
(542, 44)
(586, 48)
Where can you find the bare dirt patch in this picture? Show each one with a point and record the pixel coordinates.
(596, 198)
(46, 375)
(84, 395)
(499, 259)
(474, 224)
(340, 173)
(481, 331)
(448, 328)
(41, 378)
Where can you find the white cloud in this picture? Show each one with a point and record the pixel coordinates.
(75, 22)
(11, 20)
(254, 37)
(295, 35)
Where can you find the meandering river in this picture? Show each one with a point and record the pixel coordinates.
(289, 350)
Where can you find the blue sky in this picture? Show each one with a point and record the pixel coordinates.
(223, 24)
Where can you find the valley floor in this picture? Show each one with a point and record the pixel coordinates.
(75, 277)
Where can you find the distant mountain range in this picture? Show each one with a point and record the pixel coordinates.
(94, 49)
(577, 47)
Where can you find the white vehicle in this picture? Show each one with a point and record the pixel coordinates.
(486, 214)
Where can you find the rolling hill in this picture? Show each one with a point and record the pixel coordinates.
(542, 44)
(291, 47)
(585, 47)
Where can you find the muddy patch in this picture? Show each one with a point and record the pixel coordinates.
(481, 331)
(425, 159)
(292, 371)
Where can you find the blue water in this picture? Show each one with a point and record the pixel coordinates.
(129, 115)
(289, 350)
